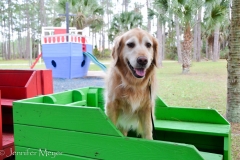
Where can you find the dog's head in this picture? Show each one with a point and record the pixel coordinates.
(138, 50)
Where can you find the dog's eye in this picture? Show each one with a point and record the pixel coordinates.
(131, 45)
(148, 45)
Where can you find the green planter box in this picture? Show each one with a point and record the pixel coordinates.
(72, 125)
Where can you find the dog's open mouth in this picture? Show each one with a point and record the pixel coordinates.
(137, 72)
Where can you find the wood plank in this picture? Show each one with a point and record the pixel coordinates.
(92, 97)
(66, 97)
(160, 103)
(23, 153)
(46, 81)
(63, 97)
(7, 102)
(212, 144)
(101, 146)
(7, 140)
(192, 127)
(13, 92)
(14, 79)
(84, 119)
(210, 156)
(78, 103)
(190, 114)
(101, 99)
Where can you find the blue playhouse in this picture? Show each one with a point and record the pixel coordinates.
(67, 55)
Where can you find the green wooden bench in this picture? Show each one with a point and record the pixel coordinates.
(72, 125)
(206, 129)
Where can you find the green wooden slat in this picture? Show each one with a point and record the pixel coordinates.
(24, 153)
(78, 103)
(63, 97)
(84, 119)
(212, 144)
(102, 146)
(77, 95)
(49, 99)
(190, 114)
(192, 127)
(210, 156)
(160, 103)
(92, 97)
(227, 147)
(66, 97)
(101, 102)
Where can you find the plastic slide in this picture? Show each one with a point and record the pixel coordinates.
(94, 60)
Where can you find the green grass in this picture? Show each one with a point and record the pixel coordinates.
(204, 87)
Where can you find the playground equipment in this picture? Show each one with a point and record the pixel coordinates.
(72, 125)
(36, 60)
(15, 85)
(68, 55)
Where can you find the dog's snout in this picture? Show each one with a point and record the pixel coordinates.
(142, 60)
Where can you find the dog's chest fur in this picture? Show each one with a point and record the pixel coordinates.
(130, 106)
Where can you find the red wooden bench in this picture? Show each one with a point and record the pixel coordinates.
(15, 85)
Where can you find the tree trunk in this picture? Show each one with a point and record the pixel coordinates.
(216, 42)
(195, 39)
(210, 51)
(9, 30)
(160, 41)
(163, 42)
(125, 6)
(108, 21)
(148, 2)
(206, 49)
(29, 55)
(187, 47)
(233, 67)
(199, 39)
(178, 40)
(42, 14)
(103, 42)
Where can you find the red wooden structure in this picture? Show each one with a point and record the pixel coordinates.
(15, 85)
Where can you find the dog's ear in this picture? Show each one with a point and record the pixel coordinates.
(116, 49)
(155, 52)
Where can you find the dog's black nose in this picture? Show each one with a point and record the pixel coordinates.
(142, 60)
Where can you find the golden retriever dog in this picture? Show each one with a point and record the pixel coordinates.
(131, 82)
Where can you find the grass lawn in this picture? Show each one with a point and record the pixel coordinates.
(204, 87)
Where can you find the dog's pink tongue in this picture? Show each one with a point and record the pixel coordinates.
(140, 72)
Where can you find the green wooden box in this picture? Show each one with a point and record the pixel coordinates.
(72, 125)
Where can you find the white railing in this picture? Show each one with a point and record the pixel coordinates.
(48, 36)
(62, 38)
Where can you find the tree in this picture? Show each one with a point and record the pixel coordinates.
(86, 12)
(215, 15)
(197, 34)
(124, 22)
(148, 3)
(160, 9)
(233, 68)
(185, 9)
(125, 5)
(178, 40)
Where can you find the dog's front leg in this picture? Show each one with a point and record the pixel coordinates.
(112, 112)
(146, 123)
